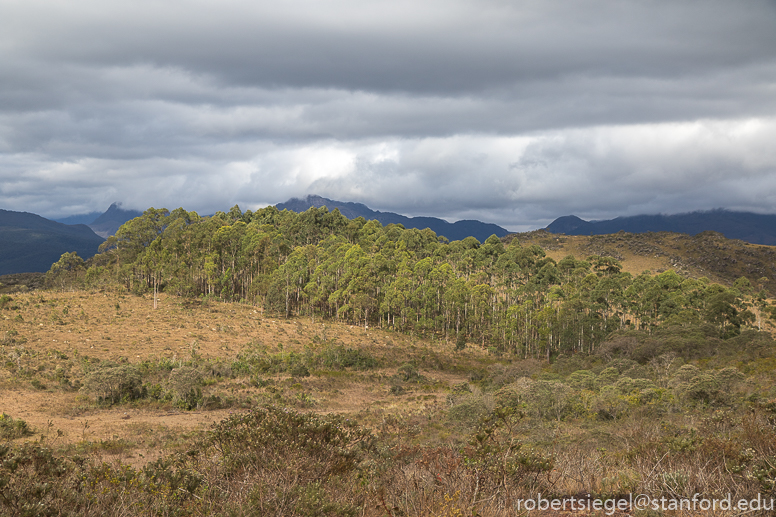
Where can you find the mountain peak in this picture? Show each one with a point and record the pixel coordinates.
(569, 224)
(452, 231)
(110, 221)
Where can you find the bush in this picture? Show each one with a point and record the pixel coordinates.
(280, 444)
(339, 357)
(11, 428)
(115, 384)
(582, 380)
(30, 482)
(469, 410)
(186, 385)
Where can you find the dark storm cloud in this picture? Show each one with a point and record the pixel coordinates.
(512, 112)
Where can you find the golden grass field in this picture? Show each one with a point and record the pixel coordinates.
(49, 326)
(708, 255)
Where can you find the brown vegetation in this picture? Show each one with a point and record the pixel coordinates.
(223, 410)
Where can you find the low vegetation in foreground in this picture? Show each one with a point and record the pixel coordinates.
(330, 419)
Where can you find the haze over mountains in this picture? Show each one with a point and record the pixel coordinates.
(105, 223)
(746, 226)
(452, 231)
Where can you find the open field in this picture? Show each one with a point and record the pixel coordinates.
(225, 397)
(50, 336)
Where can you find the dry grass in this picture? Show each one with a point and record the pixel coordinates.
(417, 403)
(121, 327)
(708, 255)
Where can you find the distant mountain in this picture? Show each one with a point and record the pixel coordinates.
(745, 226)
(30, 243)
(105, 223)
(108, 223)
(453, 231)
(86, 219)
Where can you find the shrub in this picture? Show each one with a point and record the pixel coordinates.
(186, 385)
(275, 443)
(582, 380)
(607, 377)
(30, 482)
(610, 404)
(115, 383)
(460, 341)
(514, 394)
(11, 428)
(469, 410)
(409, 373)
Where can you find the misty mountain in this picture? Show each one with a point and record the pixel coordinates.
(31, 243)
(86, 219)
(453, 231)
(105, 223)
(746, 226)
(109, 222)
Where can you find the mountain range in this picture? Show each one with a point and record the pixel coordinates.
(30, 243)
(456, 231)
(105, 223)
(745, 226)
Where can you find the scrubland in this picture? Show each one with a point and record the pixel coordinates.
(199, 407)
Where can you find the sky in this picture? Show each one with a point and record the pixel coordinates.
(511, 112)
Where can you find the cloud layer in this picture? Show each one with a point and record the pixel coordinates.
(510, 112)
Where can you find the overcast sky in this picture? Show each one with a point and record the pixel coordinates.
(512, 112)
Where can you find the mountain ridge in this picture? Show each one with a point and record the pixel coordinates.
(746, 226)
(458, 230)
(31, 243)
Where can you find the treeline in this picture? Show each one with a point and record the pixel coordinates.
(320, 264)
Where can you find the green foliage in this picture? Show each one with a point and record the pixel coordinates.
(66, 271)
(496, 450)
(186, 385)
(460, 342)
(340, 357)
(30, 482)
(11, 428)
(114, 384)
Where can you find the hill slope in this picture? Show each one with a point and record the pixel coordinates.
(31, 243)
(453, 231)
(707, 254)
(746, 226)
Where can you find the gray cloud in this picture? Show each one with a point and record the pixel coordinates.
(515, 113)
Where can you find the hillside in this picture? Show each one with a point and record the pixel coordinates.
(707, 254)
(458, 230)
(106, 398)
(31, 243)
(746, 226)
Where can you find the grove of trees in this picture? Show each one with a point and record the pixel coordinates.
(510, 298)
